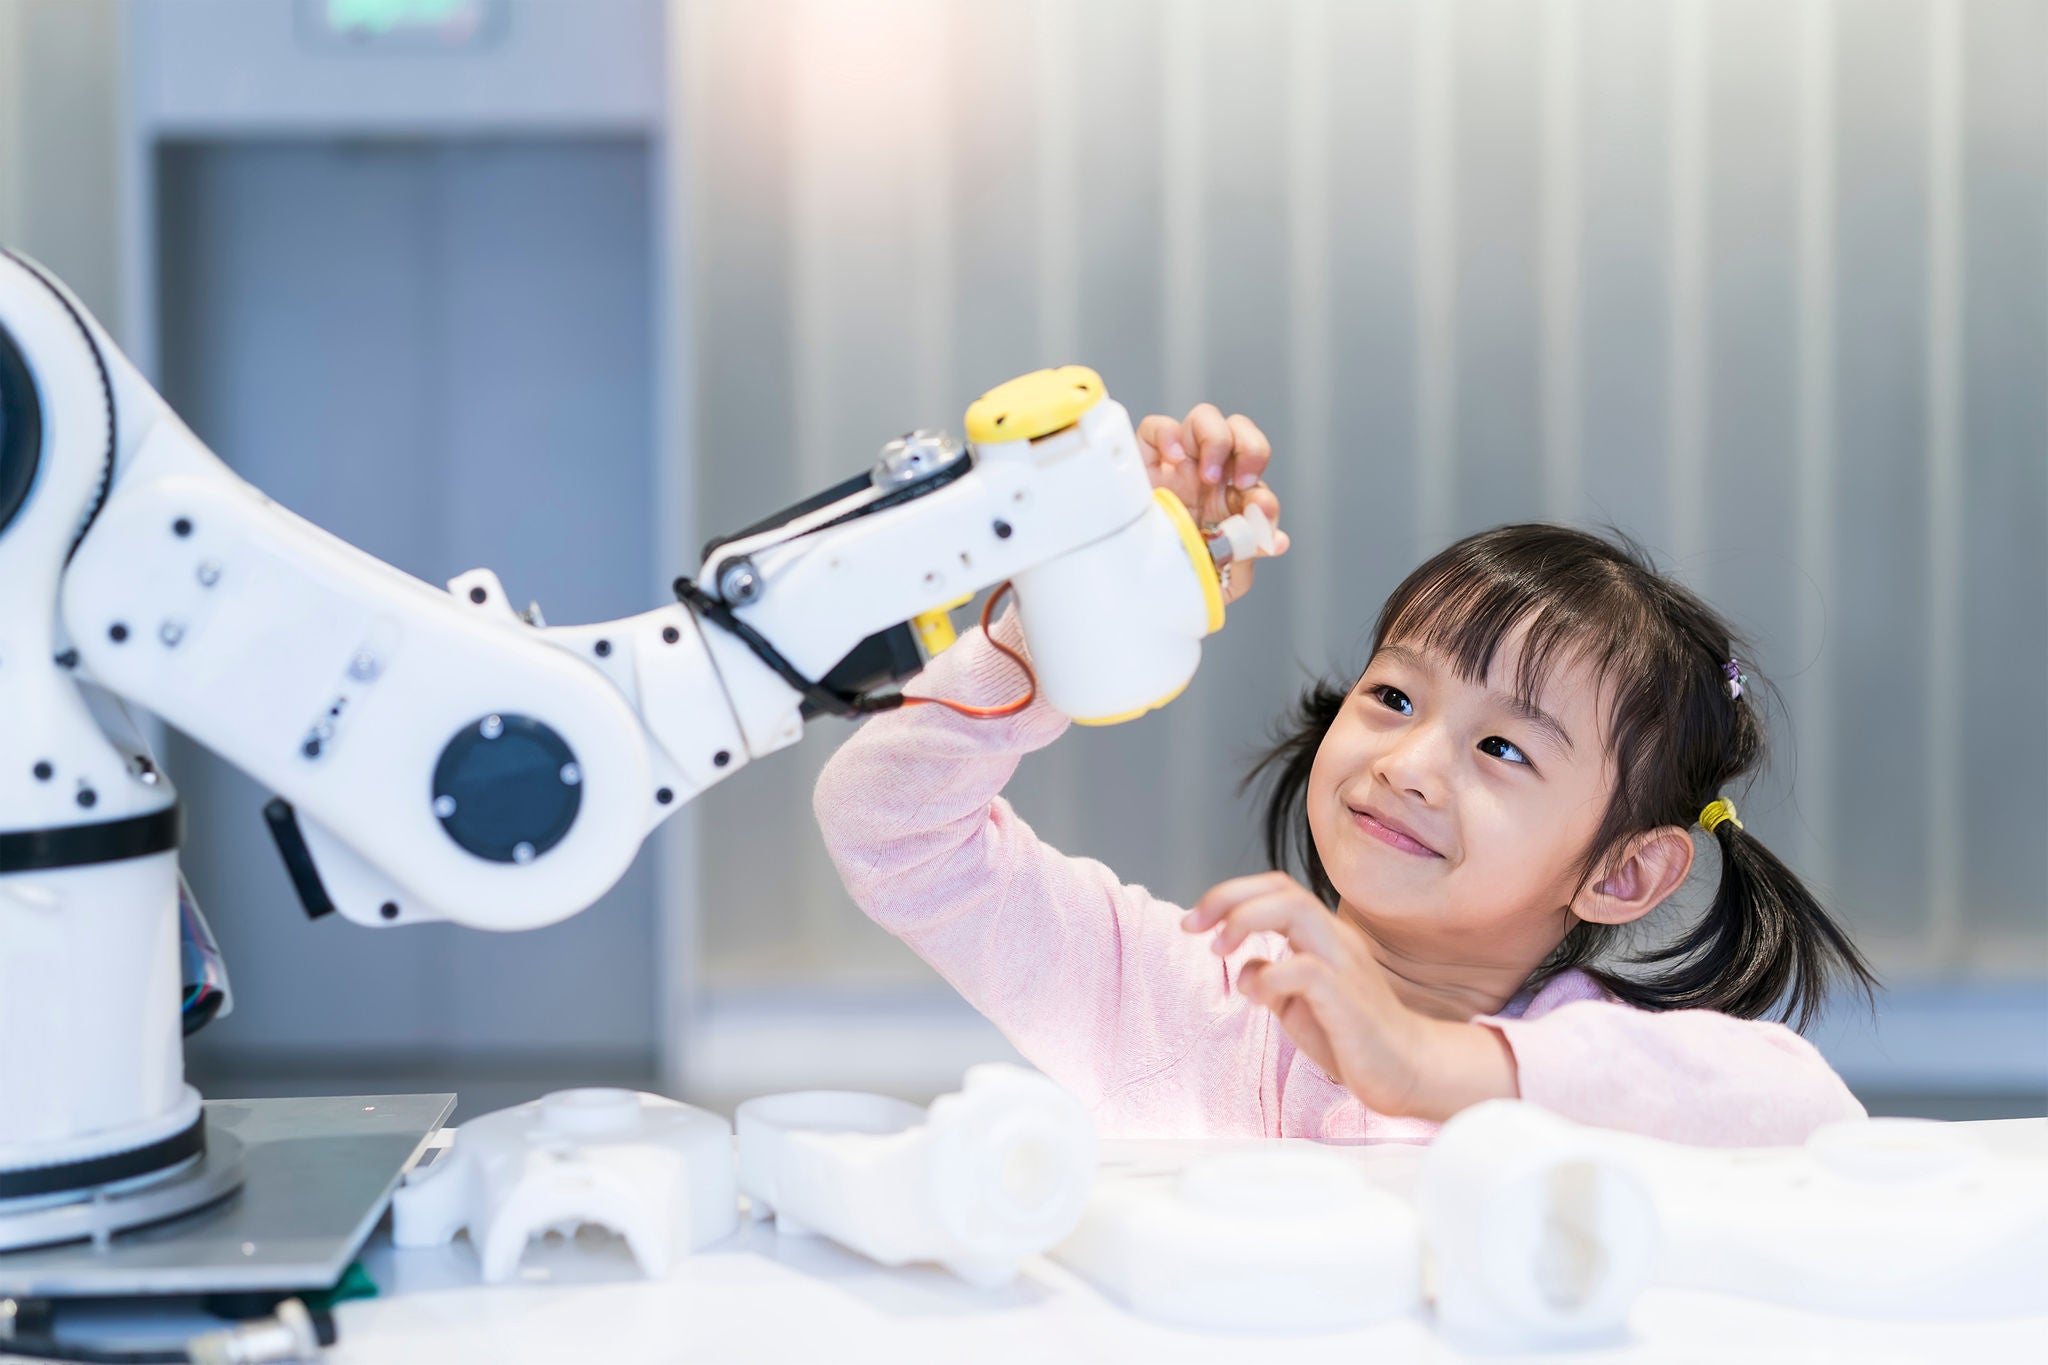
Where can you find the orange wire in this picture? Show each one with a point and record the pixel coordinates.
(1008, 708)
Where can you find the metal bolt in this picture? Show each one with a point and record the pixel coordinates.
(170, 633)
(491, 728)
(364, 667)
(739, 582)
(571, 774)
(444, 806)
(209, 573)
(522, 853)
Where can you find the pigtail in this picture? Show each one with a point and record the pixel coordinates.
(1764, 945)
(1283, 772)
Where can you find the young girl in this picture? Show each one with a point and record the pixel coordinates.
(1533, 759)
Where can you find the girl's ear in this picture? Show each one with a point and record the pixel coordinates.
(1650, 868)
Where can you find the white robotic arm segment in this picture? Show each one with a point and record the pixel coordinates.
(449, 748)
(1114, 585)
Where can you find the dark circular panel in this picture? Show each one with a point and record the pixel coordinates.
(21, 431)
(507, 788)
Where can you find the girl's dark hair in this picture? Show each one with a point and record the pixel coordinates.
(1676, 736)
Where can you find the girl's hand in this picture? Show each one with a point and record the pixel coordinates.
(1338, 1004)
(1217, 466)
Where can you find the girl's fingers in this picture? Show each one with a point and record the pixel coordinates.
(1218, 899)
(1294, 914)
(1159, 441)
(1250, 451)
(1209, 439)
(1272, 984)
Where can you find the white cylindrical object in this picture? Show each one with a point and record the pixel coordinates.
(981, 1181)
(1247, 535)
(1539, 1236)
(94, 1055)
(1116, 629)
(1284, 1241)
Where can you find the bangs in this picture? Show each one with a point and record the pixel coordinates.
(1569, 606)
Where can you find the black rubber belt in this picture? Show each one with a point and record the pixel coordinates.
(138, 836)
(104, 1170)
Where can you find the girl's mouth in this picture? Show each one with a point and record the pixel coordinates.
(1391, 834)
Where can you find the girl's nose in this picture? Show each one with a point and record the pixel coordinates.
(1416, 763)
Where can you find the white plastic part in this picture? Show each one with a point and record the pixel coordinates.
(1138, 643)
(981, 1181)
(1279, 1241)
(1538, 1238)
(656, 1172)
(1886, 1218)
(1248, 534)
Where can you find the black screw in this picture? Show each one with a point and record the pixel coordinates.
(311, 748)
(664, 796)
(604, 648)
(1002, 530)
(389, 909)
(44, 772)
(117, 632)
(68, 659)
(721, 758)
(88, 798)
(669, 635)
(182, 527)
(477, 595)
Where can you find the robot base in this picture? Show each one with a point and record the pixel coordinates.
(97, 1213)
(314, 1175)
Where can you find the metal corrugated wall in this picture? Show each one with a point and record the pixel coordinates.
(1763, 283)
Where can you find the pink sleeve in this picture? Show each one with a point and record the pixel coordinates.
(1092, 980)
(1690, 1076)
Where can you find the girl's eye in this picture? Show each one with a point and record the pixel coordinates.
(1499, 748)
(1394, 699)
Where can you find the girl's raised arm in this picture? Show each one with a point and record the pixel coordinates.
(1091, 978)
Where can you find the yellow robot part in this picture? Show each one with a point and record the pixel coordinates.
(1033, 405)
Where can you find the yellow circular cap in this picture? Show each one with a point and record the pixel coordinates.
(1033, 405)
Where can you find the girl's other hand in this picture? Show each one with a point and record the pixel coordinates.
(1217, 466)
(1337, 1003)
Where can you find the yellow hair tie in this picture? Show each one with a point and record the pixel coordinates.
(1719, 813)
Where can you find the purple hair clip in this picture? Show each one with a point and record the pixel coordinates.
(1735, 678)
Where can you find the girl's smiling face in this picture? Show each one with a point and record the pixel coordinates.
(1447, 810)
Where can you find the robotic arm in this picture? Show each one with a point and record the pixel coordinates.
(439, 755)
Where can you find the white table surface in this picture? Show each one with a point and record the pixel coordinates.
(761, 1297)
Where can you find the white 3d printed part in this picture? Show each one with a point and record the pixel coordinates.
(978, 1183)
(656, 1172)
(1542, 1227)
(1874, 1218)
(1290, 1240)
(1539, 1239)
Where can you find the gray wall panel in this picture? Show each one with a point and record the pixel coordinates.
(440, 353)
(2003, 586)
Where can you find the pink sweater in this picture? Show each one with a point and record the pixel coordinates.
(1096, 983)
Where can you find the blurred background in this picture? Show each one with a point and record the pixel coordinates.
(564, 286)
